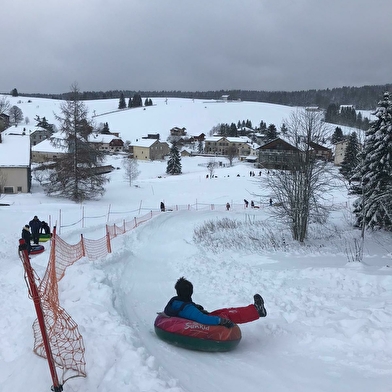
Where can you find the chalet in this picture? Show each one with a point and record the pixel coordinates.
(276, 153)
(321, 152)
(149, 149)
(199, 138)
(178, 131)
(15, 168)
(107, 142)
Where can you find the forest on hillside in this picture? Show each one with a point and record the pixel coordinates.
(362, 98)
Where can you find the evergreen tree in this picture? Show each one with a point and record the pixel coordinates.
(121, 103)
(283, 129)
(337, 136)
(332, 113)
(174, 162)
(74, 174)
(351, 159)
(14, 92)
(232, 131)
(272, 132)
(137, 101)
(105, 128)
(374, 206)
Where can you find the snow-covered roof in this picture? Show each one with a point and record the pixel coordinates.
(143, 143)
(47, 146)
(101, 138)
(240, 139)
(14, 150)
(213, 138)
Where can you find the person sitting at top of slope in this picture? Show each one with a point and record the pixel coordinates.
(44, 228)
(183, 306)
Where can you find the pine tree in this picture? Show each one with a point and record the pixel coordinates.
(174, 162)
(337, 136)
(351, 159)
(121, 103)
(374, 207)
(272, 132)
(73, 175)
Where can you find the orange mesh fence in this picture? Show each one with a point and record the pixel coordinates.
(65, 340)
(63, 334)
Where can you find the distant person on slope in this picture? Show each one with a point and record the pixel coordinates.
(183, 306)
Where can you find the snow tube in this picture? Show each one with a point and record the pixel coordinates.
(195, 336)
(35, 249)
(44, 237)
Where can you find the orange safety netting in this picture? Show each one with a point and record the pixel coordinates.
(65, 340)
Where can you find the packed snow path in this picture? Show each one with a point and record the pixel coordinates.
(308, 342)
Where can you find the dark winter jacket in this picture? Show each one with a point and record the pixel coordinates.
(26, 235)
(189, 310)
(45, 228)
(35, 225)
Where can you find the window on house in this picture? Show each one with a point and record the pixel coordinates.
(19, 189)
(8, 189)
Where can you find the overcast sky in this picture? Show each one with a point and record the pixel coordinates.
(194, 45)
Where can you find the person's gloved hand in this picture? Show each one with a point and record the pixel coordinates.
(226, 323)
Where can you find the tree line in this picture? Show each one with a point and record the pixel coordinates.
(364, 98)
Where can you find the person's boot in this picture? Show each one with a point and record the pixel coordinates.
(259, 305)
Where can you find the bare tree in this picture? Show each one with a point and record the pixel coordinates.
(16, 115)
(231, 154)
(131, 169)
(300, 190)
(211, 165)
(4, 105)
(3, 181)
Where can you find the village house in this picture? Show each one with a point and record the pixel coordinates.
(321, 152)
(149, 149)
(220, 145)
(176, 131)
(340, 151)
(46, 151)
(15, 167)
(276, 154)
(107, 142)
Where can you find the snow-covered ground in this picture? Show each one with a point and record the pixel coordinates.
(329, 323)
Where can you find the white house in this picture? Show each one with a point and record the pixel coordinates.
(15, 169)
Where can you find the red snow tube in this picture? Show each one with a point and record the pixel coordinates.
(195, 336)
(35, 249)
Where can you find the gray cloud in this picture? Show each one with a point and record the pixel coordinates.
(194, 45)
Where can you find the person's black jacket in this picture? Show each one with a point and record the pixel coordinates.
(26, 235)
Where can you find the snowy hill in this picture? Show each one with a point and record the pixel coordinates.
(329, 321)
